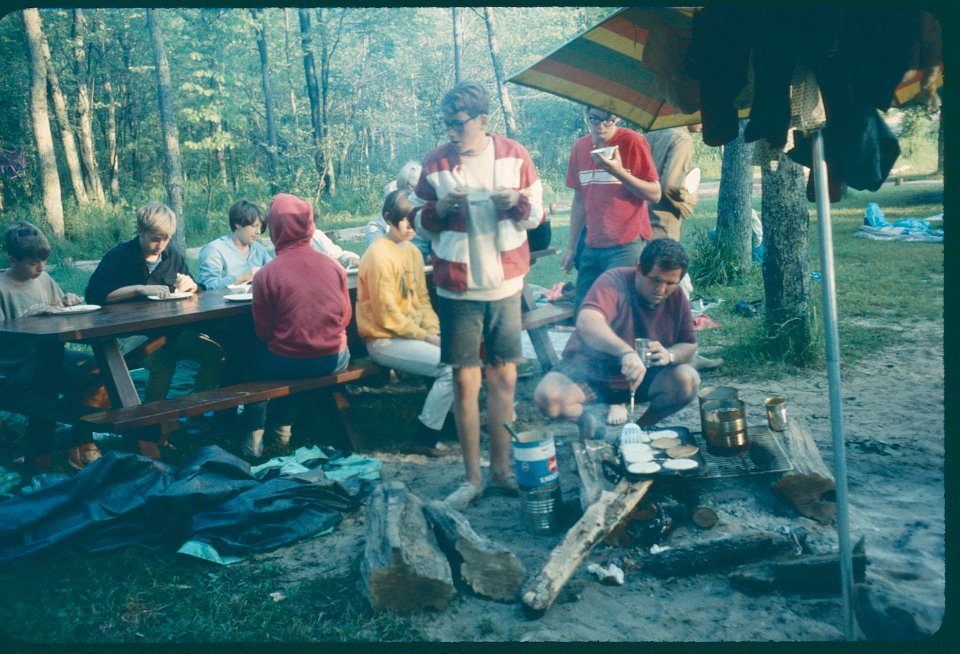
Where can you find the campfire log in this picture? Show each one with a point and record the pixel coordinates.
(815, 573)
(487, 567)
(403, 568)
(598, 520)
(810, 486)
(589, 457)
(725, 551)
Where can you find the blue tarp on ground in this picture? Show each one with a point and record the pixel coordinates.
(123, 499)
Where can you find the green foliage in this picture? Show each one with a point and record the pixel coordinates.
(119, 597)
(711, 264)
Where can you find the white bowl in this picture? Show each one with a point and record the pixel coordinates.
(606, 153)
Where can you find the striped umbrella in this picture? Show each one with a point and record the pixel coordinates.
(615, 66)
(604, 67)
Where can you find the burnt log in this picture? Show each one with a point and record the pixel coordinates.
(589, 456)
(487, 567)
(402, 568)
(601, 517)
(726, 551)
(818, 573)
(810, 486)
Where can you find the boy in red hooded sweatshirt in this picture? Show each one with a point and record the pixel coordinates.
(301, 309)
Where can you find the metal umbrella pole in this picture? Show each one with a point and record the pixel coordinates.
(833, 377)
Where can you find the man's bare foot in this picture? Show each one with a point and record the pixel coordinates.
(616, 414)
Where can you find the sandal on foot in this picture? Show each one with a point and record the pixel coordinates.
(464, 496)
(507, 487)
(81, 456)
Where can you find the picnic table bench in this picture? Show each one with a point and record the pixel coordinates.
(154, 420)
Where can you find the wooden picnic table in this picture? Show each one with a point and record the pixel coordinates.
(103, 328)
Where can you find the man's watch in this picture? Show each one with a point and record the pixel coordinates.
(670, 352)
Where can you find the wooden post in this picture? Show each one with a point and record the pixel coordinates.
(598, 520)
(811, 480)
(589, 457)
(487, 567)
(402, 568)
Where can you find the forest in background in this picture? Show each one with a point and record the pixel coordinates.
(325, 103)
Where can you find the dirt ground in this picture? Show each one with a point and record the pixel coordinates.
(894, 430)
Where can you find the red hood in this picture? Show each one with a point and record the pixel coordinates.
(290, 221)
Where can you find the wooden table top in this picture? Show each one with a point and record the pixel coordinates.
(127, 318)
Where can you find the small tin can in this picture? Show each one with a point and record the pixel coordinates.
(776, 412)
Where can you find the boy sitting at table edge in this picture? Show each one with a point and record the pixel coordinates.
(26, 290)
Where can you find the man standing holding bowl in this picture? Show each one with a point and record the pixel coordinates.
(611, 191)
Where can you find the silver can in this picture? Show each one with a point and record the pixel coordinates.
(776, 412)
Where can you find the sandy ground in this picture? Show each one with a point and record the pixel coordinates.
(894, 455)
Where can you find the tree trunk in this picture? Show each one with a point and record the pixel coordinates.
(168, 125)
(330, 41)
(734, 207)
(272, 149)
(457, 19)
(50, 178)
(786, 257)
(313, 93)
(219, 151)
(940, 145)
(113, 158)
(63, 121)
(509, 119)
(290, 83)
(84, 114)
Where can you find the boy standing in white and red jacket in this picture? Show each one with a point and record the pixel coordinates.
(476, 198)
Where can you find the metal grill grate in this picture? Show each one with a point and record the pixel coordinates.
(765, 456)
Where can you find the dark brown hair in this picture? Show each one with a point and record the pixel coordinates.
(396, 207)
(25, 241)
(666, 252)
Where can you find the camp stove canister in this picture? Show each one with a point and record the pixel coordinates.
(535, 457)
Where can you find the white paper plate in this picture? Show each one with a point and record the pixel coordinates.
(680, 464)
(239, 297)
(692, 181)
(78, 308)
(172, 296)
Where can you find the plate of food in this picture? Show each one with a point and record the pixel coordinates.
(173, 296)
(76, 308)
(238, 297)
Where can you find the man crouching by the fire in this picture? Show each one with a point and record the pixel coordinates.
(600, 361)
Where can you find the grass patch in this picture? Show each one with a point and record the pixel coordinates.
(138, 595)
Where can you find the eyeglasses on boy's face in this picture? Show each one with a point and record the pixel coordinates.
(601, 120)
(456, 125)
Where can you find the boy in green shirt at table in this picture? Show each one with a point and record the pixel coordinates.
(26, 290)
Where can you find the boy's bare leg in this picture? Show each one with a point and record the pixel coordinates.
(501, 386)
